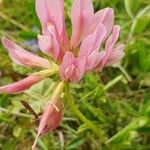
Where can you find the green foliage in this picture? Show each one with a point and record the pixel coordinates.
(116, 100)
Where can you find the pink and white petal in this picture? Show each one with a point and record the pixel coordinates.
(106, 17)
(68, 60)
(116, 55)
(99, 67)
(81, 67)
(56, 48)
(111, 41)
(113, 38)
(45, 43)
(52, 11)
(55, 40)
(93, 60)
(51, 29)
(55, 10)
(120, 47)
(71, 73)
(21, 85)
(81, 16)
(23, 57)
(93, 41)
(42, 13)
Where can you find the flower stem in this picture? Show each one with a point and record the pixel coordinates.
(77, 112)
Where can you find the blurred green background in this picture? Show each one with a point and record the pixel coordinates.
(117, 100)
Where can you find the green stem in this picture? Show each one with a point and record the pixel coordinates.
(125, 73)
(77, 112)
(23, 27)
(128, 9)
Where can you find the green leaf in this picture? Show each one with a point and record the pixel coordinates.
(113, 82)
(131, 7)
(132, 126)
(4, 101)
(41, 88)
(141, 23)
(28, 35)
(75, 144)
(21, 70)
(82, 128)
(96, 112)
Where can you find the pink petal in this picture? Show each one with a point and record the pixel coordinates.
(68, 60)
(104, 16)
(52, 11)
(55, 42)
(90, 47)
(116, 55)
(72, 69)
(98, 67)
(45, 43)
(71, 73)
(56, 11)
(110, 43)
(56, 48)
(113, 38)
(81, 17)
(93, 41)
(93, 60)
(81, 68)
(22, 57)
(42, 13)
(21, 85)
(49, 45)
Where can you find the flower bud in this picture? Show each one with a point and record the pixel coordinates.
(50, 118)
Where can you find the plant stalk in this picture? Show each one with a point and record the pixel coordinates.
(77, 112)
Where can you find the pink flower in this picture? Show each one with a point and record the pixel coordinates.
(71, 68)
(88, 30)
(50, 118)
(84, 52)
